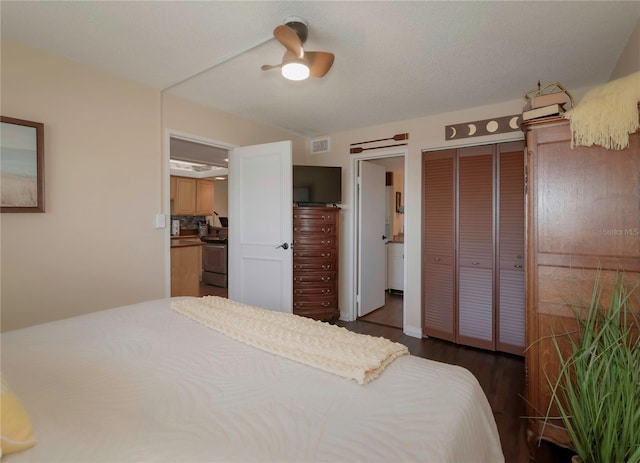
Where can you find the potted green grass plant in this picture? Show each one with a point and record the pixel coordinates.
(597, 391)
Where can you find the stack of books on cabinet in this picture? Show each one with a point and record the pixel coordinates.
(551, 104)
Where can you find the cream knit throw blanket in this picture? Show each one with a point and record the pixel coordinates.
(327, 347)
(607, 114)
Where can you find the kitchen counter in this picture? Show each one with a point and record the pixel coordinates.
(181, 242)
(397, 239)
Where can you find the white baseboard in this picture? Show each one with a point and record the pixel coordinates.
(413, 331)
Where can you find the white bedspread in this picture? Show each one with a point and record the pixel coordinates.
(142, 383)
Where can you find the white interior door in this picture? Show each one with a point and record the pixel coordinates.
(371, 245)
(260, 229)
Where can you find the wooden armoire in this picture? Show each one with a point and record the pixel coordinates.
(583, 214)
(473, 246)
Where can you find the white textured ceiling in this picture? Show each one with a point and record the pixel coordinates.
(394, 60)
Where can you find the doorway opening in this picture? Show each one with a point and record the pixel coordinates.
(195, 157)
(379, 237)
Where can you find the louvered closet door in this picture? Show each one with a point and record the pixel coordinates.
(511, 282)
(438, 250)
(475, 247)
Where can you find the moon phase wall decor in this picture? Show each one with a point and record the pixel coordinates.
(502, 124)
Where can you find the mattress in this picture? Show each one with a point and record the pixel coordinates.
(144, 383)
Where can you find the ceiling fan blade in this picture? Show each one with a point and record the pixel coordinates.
(267, 67)
(288, 37)
(319, 62)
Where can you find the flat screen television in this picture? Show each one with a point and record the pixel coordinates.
(317, 185)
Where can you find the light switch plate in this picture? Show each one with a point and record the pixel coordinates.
(160, 221)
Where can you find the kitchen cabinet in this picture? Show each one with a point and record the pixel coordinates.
(191, 196)
(172, 187)
(204, 197)
(582, 220)
(395, 266)
(186, 265)
(315, 262)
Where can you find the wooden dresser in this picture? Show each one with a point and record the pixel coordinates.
(583, 214)
(315, 262)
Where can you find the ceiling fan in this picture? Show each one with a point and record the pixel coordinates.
(298, 64)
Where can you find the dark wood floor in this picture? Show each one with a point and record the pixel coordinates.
(500, 375)
(390, 314)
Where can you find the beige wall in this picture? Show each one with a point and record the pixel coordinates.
(95, 247)
(425, 133)
(106, 178)
(189, 117)
(629, 61)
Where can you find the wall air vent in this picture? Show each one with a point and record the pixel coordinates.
(320, 145)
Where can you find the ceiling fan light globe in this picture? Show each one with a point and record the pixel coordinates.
(295, 70)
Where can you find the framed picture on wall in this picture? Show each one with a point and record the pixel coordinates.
(21, 165)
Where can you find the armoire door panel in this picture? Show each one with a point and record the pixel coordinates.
(475, 304)
(580, 201)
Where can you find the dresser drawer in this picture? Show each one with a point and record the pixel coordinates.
(302, 265)
(310, 228)
(311, 215)
(307, 253)
(313, 291)
(314, 241)
(330, 302)
(315, 278)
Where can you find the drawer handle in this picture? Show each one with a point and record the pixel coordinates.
(326, 304)
(326, 255)
(326, 230)
(518, 266)
(475, 263)
(326, 279)
(436, 259)
(326, 242)
(326, 291)
(326, 266)
(326, 217)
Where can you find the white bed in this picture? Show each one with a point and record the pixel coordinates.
(144, 383)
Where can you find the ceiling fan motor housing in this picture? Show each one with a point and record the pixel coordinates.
(299, 25)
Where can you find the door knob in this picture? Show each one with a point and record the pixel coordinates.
(384, 237)
(283, 246)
